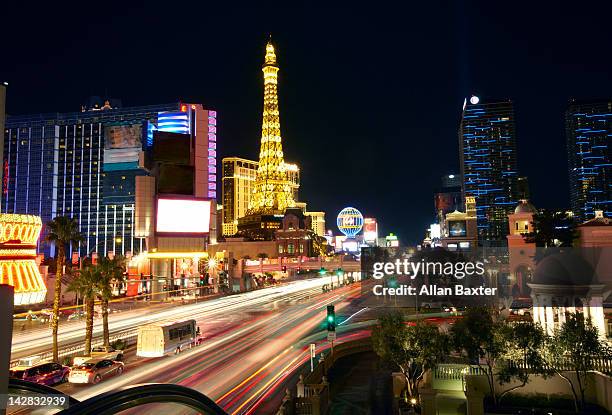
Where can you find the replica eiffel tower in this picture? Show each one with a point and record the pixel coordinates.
(272, 193)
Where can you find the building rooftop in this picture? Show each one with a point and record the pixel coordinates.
(525, 207)
(598, 220)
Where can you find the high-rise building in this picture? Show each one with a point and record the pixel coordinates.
(449, 197)
(293, 175)
(3, 86)
(85, 165)
(274, 190)
(237, 187)
(588, 127)
(487, 142)
(522, 188)
(317, 222)
(451, 180)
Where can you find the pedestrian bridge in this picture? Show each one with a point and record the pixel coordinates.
(346, 263)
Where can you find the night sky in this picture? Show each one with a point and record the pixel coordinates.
(370, 97)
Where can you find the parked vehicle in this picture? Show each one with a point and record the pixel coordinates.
(159, 339)
(77, 315)
(100, 352)
(95, 370)
(521, 307)
(43, 373)
(30, 361)
(431, 305)
(448, 308)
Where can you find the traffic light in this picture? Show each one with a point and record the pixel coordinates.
(202, 283)
(322, 271)
(284, 268)
(340, 272)
(331, 318)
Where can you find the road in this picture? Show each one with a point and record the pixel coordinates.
(244, 357)
(254, 341)
(38, 340)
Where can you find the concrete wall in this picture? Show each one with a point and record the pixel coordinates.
(599, 387)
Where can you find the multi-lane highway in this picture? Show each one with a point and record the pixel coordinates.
(254, 341)
(34, 341)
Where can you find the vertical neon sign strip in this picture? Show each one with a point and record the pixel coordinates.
(212, 154)
(5, 178)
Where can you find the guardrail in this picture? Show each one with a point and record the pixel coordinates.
(127, 336)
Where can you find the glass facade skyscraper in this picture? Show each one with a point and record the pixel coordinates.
(83, 165)
(588, 127)
(487, 143)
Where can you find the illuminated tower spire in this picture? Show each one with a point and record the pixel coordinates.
(272, 191)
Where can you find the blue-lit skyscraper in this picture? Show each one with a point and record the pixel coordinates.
(84, 165)
(487, 143)
(588, 128)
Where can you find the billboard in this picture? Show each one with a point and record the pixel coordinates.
(457, 228)
(370, 230)
(188, 216)
(122, 136)
(122, 144)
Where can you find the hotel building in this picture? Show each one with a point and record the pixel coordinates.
(588, 127)
(487, 144)
(86, 164)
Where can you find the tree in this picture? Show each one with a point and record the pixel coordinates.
(62, 231)
(413, 349)
(523, 355)
(87, 284)
(575, 346)
(552, 229)
(262, 255)
(483, 340)
(111, 274)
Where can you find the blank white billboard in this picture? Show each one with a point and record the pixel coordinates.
(183, 216)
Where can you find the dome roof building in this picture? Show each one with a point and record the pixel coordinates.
(525, 207)
(564, 282)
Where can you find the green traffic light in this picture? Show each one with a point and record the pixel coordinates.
(322, 271)
(330, 319)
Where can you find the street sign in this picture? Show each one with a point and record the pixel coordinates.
(331, 336)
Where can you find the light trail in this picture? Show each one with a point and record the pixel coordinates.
(353, 315)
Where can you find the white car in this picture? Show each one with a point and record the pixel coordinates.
(94, 370)
(100, 352)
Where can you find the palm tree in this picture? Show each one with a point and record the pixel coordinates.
(87, 284)
(111, 274)
(62, 231)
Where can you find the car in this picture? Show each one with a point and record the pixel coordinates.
(448, 308)
(30, 361)
(42, 373)
(99, 352)
(521, 307)
(94, 370)
(77, 315)
(29, 316)
(428, 305)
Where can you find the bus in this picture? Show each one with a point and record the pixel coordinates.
(159, 339)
